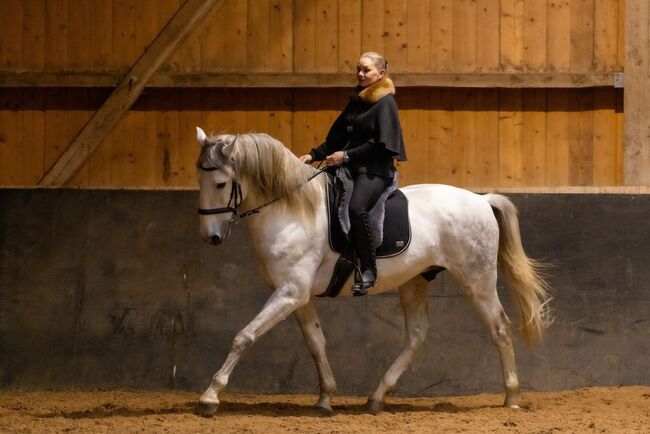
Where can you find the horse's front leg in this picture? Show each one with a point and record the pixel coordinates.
(281, 304)
(313, 333)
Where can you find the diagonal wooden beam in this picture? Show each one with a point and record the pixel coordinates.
(126, 93)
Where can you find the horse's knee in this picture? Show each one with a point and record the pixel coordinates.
(242, 341)
(416, 338)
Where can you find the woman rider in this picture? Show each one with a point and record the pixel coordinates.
(366, 137)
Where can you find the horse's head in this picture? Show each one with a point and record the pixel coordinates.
(220, 193)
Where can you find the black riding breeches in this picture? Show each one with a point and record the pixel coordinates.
(366, 191)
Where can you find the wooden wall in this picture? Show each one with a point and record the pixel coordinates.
(464, 136)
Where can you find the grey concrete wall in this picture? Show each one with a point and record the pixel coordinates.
(114, 289)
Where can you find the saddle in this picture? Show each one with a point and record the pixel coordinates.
(396, 235)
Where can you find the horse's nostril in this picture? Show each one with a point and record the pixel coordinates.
(215, 240)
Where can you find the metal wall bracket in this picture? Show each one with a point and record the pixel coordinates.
(619, 79)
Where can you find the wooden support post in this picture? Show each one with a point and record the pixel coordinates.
(636, 154)
(126, 93)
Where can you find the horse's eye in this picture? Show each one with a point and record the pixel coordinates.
(221, 185)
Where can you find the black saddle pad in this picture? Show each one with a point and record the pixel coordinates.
(397, 228)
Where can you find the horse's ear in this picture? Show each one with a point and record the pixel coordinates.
(227, 149)
(200, 136)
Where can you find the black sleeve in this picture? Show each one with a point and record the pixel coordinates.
(336, 138)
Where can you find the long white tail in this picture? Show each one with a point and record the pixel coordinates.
(530, 290)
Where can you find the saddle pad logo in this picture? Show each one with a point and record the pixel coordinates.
(399, 243)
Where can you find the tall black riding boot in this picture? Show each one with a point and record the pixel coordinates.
(365, 249)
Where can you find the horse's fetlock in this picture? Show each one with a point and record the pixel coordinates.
(219, 381)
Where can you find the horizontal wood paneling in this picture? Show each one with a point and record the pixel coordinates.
(576, 36)
(468, 137)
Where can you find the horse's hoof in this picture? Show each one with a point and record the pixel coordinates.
(206, 409)
(511, 403)
(374, 406)
(324, 410)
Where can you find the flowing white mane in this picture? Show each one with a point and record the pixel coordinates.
(268, 169)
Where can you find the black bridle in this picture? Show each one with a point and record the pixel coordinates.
(234, 202)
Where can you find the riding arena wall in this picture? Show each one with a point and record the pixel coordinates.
(105, 282)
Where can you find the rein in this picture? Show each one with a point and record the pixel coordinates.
(236, 198)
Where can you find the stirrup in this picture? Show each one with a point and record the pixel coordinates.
(361, 286)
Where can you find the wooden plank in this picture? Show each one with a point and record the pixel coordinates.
(326, 39)
(441, 129)
(372, 26)
(582, 35)
(534, 138)
(126, 93)
(304, 42)
(418, 36)
(33, 135)
(558, 130)
(167, 125)
(123, 35)
(558, 36)
(464, 147)
(487, 38)
(605, 137)
(56, 139)
(395, 35)
(281, 36)
(510, 137)
(189, 117)
(56, 29)
(621, 35)
(349, 35)
(33, 35)
(442, 35)
(465, 41)
(534, 34)
(188, 57)
(278, 103)
(620, 139)
(283, 80)
(79, 53)
(512, 34)
(257, 42)
(101, 40)
(11, 138)
(11, 34)
(99, 164)
(637, 93)
(487, 137)
(606, 36)
(225, 39)
(581, 145)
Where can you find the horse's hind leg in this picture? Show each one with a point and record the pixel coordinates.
(485, 300)
(413, 298)
(312, 331)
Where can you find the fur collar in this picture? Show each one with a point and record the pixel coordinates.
(377, 90)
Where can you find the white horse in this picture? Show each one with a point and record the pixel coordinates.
(465, 233)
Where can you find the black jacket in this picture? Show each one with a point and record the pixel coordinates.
(369, 130)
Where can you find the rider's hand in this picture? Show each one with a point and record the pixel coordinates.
(305, 158)
(335, 159)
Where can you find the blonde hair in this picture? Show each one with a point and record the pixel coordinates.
(377, 59)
